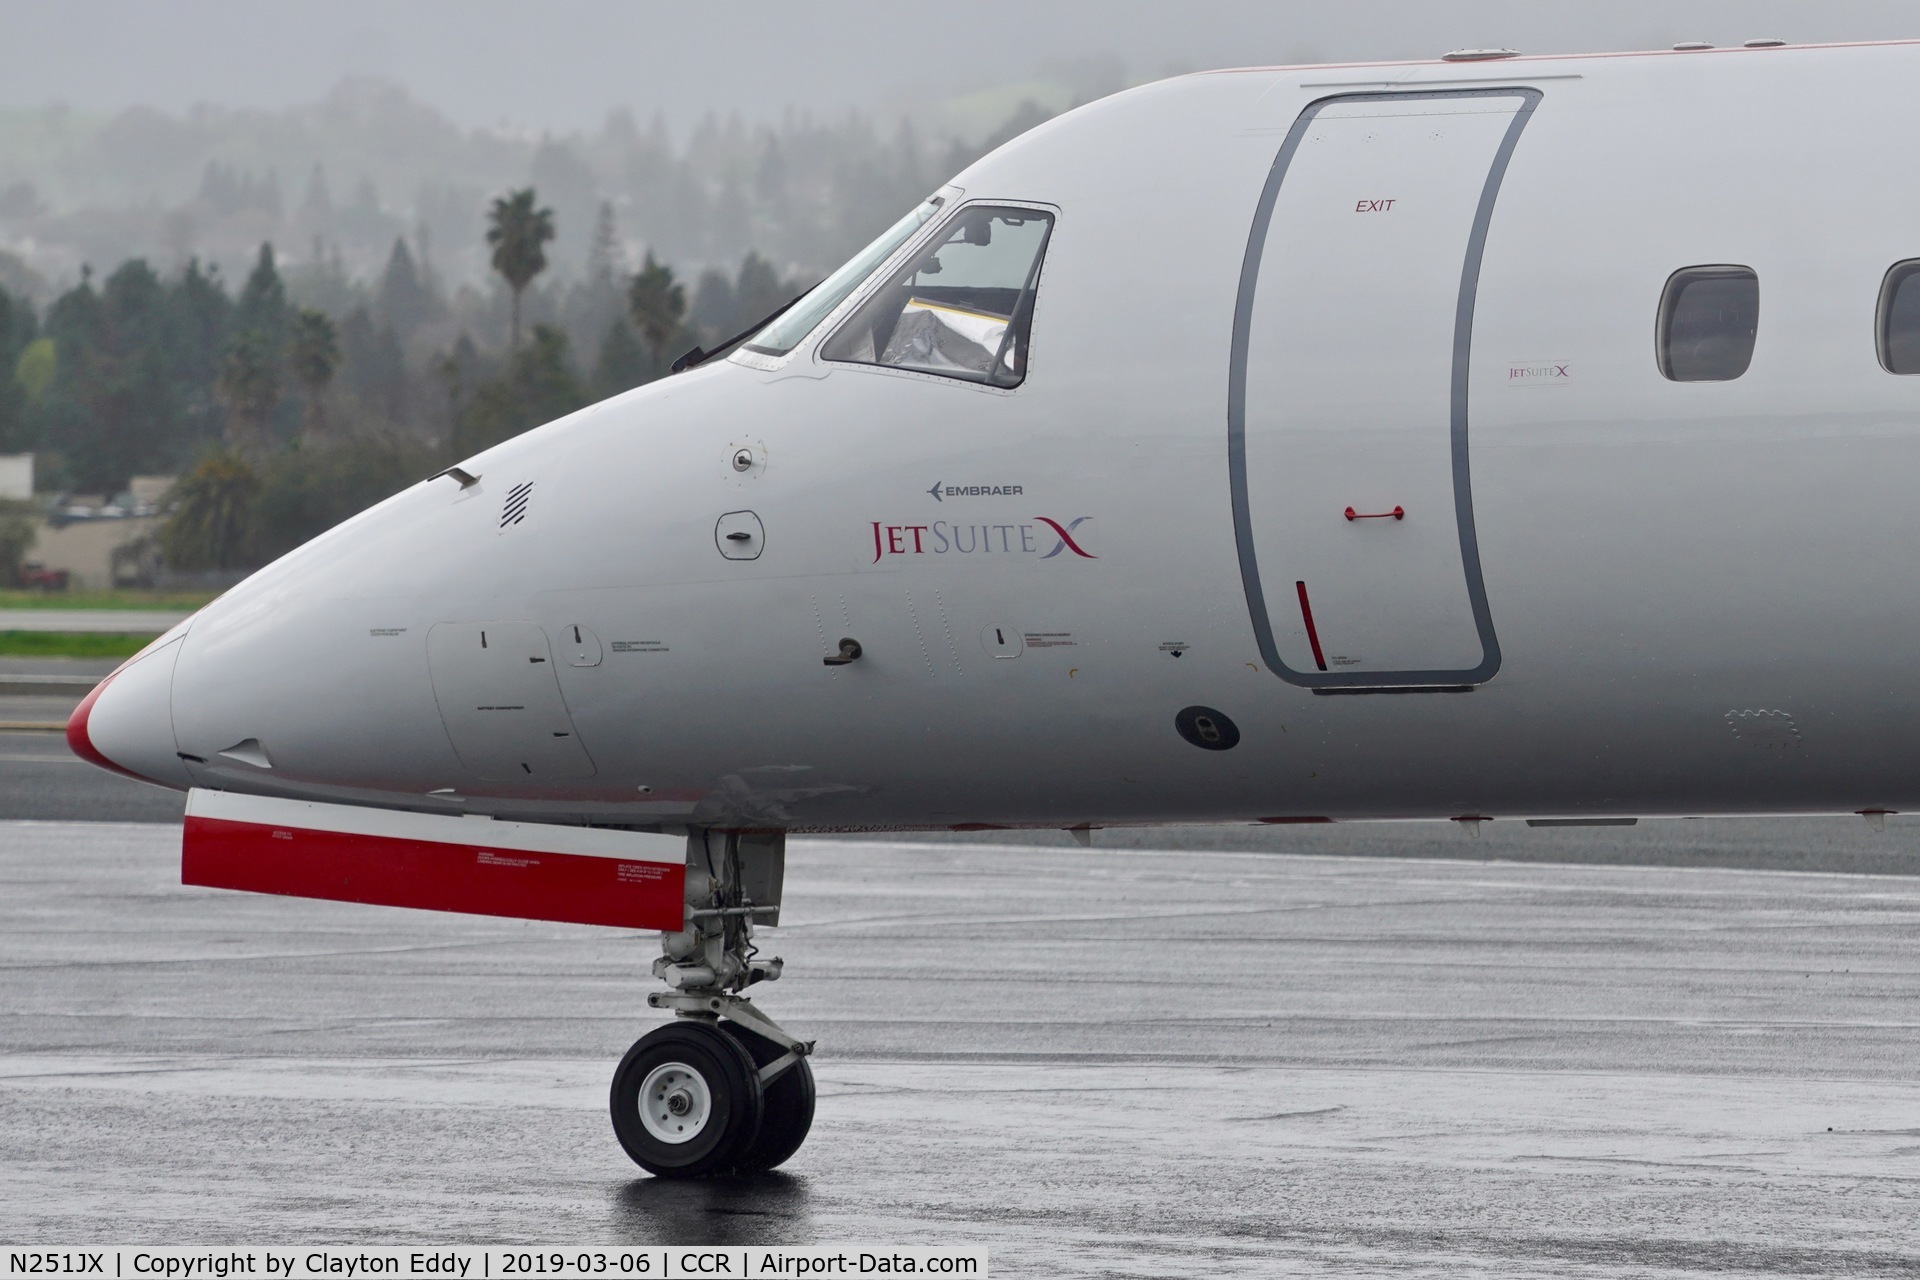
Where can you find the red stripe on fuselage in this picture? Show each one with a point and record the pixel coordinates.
(1313, 636)
(393, 872)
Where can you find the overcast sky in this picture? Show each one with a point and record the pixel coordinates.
(562, 64)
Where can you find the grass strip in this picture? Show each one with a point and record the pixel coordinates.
(70, 644)
(171, 601)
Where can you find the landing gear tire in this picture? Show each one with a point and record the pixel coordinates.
(687, 1101)
(789, 1104)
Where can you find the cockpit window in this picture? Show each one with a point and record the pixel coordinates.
(798, 320)
(963, 308)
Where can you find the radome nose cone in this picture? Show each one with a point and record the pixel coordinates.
(126, 723)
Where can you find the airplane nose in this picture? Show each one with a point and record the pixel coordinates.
(126, 723)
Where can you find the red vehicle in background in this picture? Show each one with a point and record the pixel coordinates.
(37, 577)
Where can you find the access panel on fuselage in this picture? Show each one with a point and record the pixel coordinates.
(500, 700)
(1348, 408)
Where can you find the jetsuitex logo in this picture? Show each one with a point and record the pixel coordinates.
(1041, 539)
(1539, 373)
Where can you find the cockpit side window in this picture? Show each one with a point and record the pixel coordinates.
(798, 320)
(963, 308)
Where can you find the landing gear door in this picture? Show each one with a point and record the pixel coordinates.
(500, 701)
(1347, 401)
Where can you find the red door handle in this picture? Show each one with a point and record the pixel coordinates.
(1398, 513)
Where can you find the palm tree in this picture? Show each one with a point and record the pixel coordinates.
(214, 511)
(314, 353)
(518, 233)
(657, 303)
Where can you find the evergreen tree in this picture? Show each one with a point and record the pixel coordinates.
(538, 385)
(603, 254)
(403, 302)
(757, 293)
(249, 386)
(519, 233)
(373, 366)
(200, 321)
(252, 372)
(713, 306)
(599, 298)
(623, 363)
(322, 281)
(16, 333)
(122, 394)
(263, 308)
(62, 418)
(314, 354)
(122, 379)
(657, 302)
(460, 371)
(306, 491)
(133, 396)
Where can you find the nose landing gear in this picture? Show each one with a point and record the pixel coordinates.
(722, 1088)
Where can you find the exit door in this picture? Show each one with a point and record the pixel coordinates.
(1347, 398)
(500, 701)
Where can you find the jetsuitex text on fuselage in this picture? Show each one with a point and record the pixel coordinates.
(1042, 539)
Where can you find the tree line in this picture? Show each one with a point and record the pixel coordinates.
(340, 178)
(302, 397)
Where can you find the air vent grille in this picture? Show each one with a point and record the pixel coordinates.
(515, 509)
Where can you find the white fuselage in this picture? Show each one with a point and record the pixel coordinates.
(1608, 593)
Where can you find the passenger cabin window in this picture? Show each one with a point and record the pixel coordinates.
(963, 308)
(1898, 326)
(1708, 319)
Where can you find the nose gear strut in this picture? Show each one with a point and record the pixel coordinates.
(754, 1073)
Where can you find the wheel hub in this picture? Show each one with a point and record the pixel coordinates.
(675, 1103)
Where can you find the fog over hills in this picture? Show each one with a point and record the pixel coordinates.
(201, 127)
(335, 182)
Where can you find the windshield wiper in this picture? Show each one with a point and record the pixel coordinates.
(698, 357)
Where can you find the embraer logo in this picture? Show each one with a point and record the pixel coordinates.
(942, 539)
(941, 490)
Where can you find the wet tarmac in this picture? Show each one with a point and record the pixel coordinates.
(1095, 1062)
(40, 778)
(39, 694)
(88, 670)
